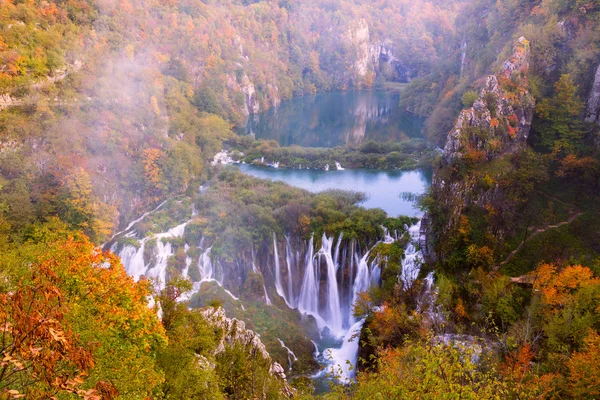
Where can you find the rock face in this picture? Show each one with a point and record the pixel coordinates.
(246, 87)
(386, 62)
(375, 57)
(6, 101)
(234, 332)
(496, 125)
(593, 105)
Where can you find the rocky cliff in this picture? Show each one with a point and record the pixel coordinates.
(375, 57)
(234, 332)
(496, 126)
(593, 104)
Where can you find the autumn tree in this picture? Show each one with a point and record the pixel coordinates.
(571, 298)
(584, 369)
(73, 311)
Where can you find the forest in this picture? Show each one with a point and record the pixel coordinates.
(112, 112)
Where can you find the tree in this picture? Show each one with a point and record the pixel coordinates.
(88, 323)
(584, 369)
(571, 299)
(560, 128)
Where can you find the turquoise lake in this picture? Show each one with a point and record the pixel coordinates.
(388, 190)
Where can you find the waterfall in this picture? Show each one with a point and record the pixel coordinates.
(267, 299)
(338, 166)
(463, 55)
(350, 269)
(362, 280)
(413, 258)
(291, 356)
(278, 286)
(289, 260)
(308, 301)
(339, 358)
(205, 266)
(133, 259)
(333, 299)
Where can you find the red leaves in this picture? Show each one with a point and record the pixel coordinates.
(40, 349)
(71, 300)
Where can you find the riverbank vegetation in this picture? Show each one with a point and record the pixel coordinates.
(404, 155)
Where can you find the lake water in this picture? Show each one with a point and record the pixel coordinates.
(385, 189)
(336, 119)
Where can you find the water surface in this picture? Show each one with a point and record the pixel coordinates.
(385, 189)
(336, 119)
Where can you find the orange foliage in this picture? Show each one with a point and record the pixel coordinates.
(494, 122)
(464, 226)
(516, 370)
(586, 168)
(151, 158)
(473, 156)
(557, 287)
(584, 369)
(48, 345)
(460, 309)
(37, 342)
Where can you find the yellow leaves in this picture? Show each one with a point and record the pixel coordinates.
(480, 256)
(130, 52)
(584, 369)
(151, 159)
(557, 287)
(464, 226)
(3, 45)
(460, 309)
(58, 335)
(303, 223)
(161, 57)
(154, 105)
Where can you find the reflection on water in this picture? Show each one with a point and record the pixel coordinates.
(386, 189)
(334, 119)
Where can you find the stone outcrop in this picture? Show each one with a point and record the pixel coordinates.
(375, 57)
(593, 104)
(246, 87)
(6, 100)
(234, 332)
(497, 125)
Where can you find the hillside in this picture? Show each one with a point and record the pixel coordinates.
(112, 113)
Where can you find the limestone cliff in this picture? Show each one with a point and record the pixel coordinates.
(375, 57)
(593, 104)
(234, 332)
(496, 126)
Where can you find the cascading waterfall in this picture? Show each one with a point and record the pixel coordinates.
(291, 356)
(347, 272)
(289, 259)
(413, 258)
(334, 320)
(205, 266)
(278, 286)
(309, 293)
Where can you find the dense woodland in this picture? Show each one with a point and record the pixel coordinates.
(109, 108)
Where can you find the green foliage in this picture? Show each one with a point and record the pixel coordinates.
(468, 98)
(559, 127)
